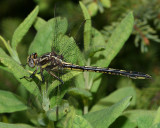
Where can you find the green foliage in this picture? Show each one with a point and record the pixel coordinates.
(74, 104)
(105, 117)
(13, 103)
(145, 12)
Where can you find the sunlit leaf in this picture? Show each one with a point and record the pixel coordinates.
(114, 44)
(7, 125)
(105, 117)
(18, 71)
(10, 102)
(87, 27)
(24, 27)
(115, 97)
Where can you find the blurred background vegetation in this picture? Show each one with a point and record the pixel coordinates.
(141, 52)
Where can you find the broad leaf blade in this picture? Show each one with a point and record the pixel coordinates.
(80, 122)
(115, 97)
(24, 27)
(39, 23)
(80, 93)
(18, 71)
(10, 102)
(104, 118)
(63, 109)
(123, 122)
(47, 35)
(114, 44)
(142, 118)
(67, 121)
(118, 38)
(87, 27)
(157, 118)
(65, 78)
(7, 125)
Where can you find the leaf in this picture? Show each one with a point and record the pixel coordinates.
(92, 8)
(142, 118)
(123, 122)
(63, 109)
(115, 97)
(90, 53)
(71, 120)
(24, 27)
(10, 102)
(157, 117)
(80, 93)
(87, 27)
(7, 125)
(5, 68)
(113, 46)
(67, 121)
(47, 35)
(105, 117)
(156, 126)
(68, 48)
(80, 122)
(18, 71)
(39, 23)
(106, 3)
(65, 78)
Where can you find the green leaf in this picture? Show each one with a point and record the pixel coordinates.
(142, 118)
(90, 53)
(65, 78)
(67, 121)
(157, 117)
(118, 38)
(18, 71)
(39, 23)
(5, 68)
(123, 122)
(7, 125)
(80, 92)
(115, 97)
(106, 3)
(63, 109)
(93, 8)
(114, 44)
(24, 27)
(6, 44)
(80, 122)
(87, 27)
(105, 117)
(10, 102)
(47, 35)
(68, 49)
(156, 126)
(71, 120)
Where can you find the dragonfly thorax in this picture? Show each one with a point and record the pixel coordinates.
(32, 59)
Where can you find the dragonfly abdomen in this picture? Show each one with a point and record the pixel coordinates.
(130, 74)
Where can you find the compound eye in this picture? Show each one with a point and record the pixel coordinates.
(34, 55)
(31, 63)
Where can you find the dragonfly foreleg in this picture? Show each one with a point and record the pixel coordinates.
(31, 76)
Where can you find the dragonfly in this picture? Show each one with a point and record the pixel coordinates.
(51, 62)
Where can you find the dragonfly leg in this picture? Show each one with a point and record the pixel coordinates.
(31, 76)
(41, 71)
(51, 73)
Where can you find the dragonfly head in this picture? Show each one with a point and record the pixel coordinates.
(31, 60)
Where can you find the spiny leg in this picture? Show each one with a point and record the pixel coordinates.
(41, 71)
(31, 76)
(51, 73)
